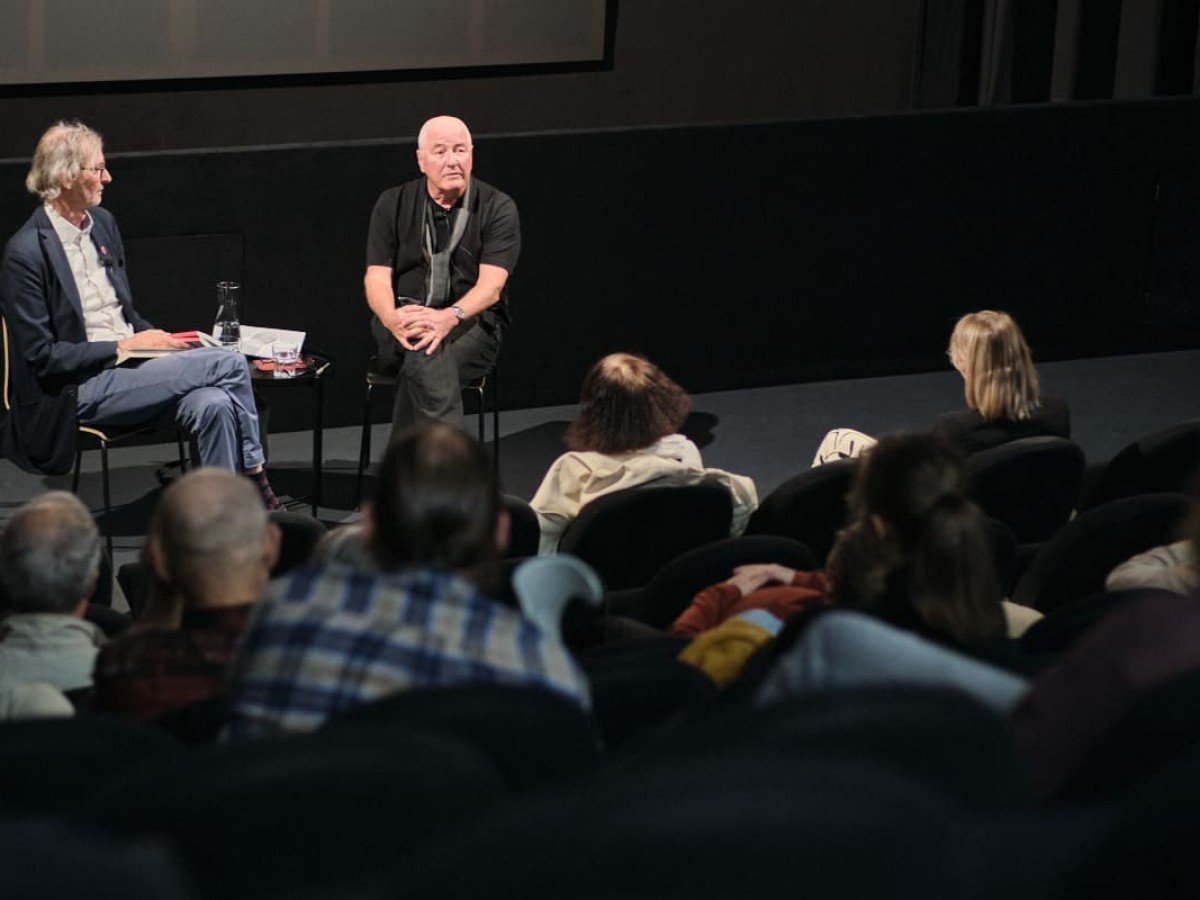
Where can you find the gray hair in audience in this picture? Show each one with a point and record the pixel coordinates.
(49, 554)
(60, 154)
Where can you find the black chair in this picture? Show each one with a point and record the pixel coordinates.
(379, 375)
(1075, 562)
(105, 436)
(299, 536)
(198, 722)
(1030, 485)
(1162, 461)
(532, 735)
(43, 858)
(290, 816)
(1051, 636)
(940, 735)
(809, 507)
(639, 688)
(53, 765)
(671, 589)
(1146, 849)
(627, 536)
(1161, 726)
(525, 534)
(734, 824)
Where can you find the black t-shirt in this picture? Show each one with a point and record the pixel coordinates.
(968, 430)
(492, 236)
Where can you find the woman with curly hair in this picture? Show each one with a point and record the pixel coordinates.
(626, 435)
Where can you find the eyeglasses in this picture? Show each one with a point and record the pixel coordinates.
(99, 169)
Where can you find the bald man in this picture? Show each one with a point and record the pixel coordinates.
(210, 549)
(440, 252)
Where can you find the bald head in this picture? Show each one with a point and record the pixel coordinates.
(446, 157)
(208, 534)
(50, 555)
(443, 126)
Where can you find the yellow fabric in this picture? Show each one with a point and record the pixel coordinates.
(721, 652)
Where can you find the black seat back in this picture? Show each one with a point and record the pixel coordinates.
(809, 507)
(1164, 460)
(1030, 485)
(627, 536)
(1076, 561)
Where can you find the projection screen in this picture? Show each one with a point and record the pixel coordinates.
(71, 41)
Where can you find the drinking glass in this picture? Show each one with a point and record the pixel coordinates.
(285, 355)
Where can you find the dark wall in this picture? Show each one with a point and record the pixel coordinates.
(725, 196)
(733, 255)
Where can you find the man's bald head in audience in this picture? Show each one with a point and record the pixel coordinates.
(211, 540)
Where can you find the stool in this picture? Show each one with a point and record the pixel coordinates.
(380, 376)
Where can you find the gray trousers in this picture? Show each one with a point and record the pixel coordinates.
(429, 388)
(207, 391)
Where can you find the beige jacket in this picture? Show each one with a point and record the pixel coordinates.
(1170, 568)
(575, 479)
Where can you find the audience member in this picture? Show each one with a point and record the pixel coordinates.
(210, 549)
(1003, 394)
(625, 436)
(329, 637)
(1172, 567)
(49, 563)
(917, 555)
(345, 544)
(769, 587)
(1001, 385)
(1149, 641)
(917, 552)
(34, 701)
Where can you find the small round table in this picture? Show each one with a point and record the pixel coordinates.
(312, 376)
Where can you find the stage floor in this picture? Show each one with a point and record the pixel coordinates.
(766, 433)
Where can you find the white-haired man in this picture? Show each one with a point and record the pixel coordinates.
(49, 563)
(69, 309)
(439, 254)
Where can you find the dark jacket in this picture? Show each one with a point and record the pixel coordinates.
(48, 350)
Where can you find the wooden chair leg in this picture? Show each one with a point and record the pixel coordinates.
(108, 542)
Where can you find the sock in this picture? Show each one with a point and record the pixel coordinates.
(270, 501)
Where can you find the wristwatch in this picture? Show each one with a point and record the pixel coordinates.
(458, 311)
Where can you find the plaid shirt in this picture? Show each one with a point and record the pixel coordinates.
(325, 639)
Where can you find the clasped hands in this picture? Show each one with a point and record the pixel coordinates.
(750, 578)
(421, 327)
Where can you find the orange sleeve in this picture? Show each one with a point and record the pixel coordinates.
(708, 609)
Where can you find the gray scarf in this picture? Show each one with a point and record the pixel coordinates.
(437, 287)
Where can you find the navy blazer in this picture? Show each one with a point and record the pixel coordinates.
(49, 353)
